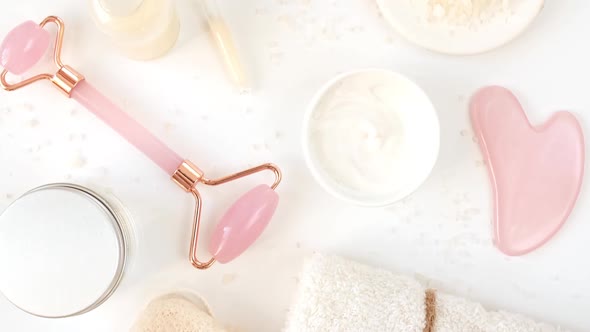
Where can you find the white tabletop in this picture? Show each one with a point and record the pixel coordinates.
(441, 233)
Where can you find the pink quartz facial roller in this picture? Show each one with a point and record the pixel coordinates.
(245, 220)
(536, 171)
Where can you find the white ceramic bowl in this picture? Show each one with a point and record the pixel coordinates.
(415, 116)
(409, 19)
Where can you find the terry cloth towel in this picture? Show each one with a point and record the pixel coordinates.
(176, 313)
(336, 294)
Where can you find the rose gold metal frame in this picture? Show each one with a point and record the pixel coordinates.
(187, 176)
(66, 78)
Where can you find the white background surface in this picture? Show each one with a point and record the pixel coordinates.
(440, 233)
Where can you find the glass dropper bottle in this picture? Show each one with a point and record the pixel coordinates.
(141, 29)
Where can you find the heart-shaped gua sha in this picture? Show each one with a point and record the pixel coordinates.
(536, 172)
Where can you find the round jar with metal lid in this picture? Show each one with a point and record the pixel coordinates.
(63, 249)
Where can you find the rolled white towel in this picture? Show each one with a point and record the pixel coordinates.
(336, 294)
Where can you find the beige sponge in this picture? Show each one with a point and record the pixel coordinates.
(176, 313)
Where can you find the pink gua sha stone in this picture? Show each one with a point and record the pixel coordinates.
(536, 172)
(23, 47)
(243, 223)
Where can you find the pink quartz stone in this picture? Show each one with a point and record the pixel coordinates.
(536, 172)
(136, 134)
(243, 223)
(23, 47)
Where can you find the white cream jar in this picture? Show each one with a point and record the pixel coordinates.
(371, 137)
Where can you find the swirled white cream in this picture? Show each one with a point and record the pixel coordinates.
(357, 135)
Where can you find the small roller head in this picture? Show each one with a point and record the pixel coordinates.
(243, 223)
(23, 47)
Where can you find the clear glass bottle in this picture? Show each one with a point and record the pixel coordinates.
(141, 29)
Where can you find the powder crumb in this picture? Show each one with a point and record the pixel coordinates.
(464, 132)
(278, 135)
(168, 127)
(228, 278)
(9, 196)
(33, 123)
(73, 112)
(329, 33)
(356, 29)
(298, 245)
(287, 20)
(79, 161)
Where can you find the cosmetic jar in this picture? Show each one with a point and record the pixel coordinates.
(64, 250)
(371, 137)
(141, 29)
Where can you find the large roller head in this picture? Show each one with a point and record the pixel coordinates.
(23, 47)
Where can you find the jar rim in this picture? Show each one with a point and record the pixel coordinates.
(121, 234)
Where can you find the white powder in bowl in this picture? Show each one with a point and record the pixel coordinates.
(466, 12)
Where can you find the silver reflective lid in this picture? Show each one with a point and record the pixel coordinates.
(62, 251)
